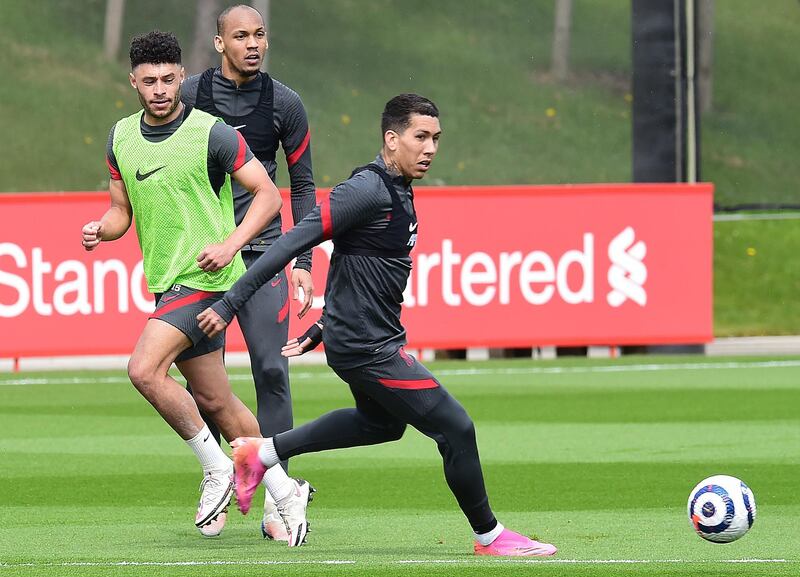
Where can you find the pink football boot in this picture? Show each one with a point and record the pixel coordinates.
(248, 470)
(511, 544)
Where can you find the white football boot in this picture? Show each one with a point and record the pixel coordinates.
(272, 525)
(214, 527)
(216, 490)
(293, 512)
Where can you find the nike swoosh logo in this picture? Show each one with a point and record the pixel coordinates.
(240, 126)
(412, 227)
(169, 298)
(207, 436)
(140, 177)
(276, 282)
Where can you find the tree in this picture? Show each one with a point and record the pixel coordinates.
(115, 10)
(561, 39)
(205, 26)
(263, 7)
(705, 52)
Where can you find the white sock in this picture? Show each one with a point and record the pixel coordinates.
(267, 453)
(208, 451)
(267, 495)
(487, 538)
(280, 485)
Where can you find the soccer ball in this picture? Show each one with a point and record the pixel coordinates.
(721, 508)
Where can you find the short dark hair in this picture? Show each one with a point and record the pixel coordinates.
(224, 15)
(398, 111)
(155, 47)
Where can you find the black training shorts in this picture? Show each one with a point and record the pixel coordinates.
(179, 306)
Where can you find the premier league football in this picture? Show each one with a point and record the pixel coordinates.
(721, 508)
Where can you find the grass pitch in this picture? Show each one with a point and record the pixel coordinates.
(597, 457)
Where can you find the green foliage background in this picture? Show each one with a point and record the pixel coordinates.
(505, 119)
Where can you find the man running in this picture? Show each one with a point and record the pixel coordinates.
(372, 222)
(169, 168)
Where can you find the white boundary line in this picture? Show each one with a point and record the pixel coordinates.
(621, 368)
(737, 216)
(397, 562)
(453, 372)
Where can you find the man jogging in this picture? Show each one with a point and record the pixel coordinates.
(170, 167)
(268, 114)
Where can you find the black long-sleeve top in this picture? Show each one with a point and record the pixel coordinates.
(290, 125)
(364, 294)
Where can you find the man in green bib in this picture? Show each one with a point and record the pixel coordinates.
(170, 167)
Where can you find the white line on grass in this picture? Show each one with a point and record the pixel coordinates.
(171, 563)
(757, 216)
(621, 368)
(587, 561)
(455, 372)
(397, 562)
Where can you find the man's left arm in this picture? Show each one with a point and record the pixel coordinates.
(265, 206)
(229, 151)
(295, 138)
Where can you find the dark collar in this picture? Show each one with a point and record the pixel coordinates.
(252, 85)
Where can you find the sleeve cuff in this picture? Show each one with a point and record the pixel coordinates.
(304, 262)
(224, 309)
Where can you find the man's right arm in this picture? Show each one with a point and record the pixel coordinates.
(307, 234)
(114, 223)
(117, 219)
(351, 204)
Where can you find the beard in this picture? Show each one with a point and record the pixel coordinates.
(160, 113)
(245, 73)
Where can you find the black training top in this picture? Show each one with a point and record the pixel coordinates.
(267, 113)
(372, 222)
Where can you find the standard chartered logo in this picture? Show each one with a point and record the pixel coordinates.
(444, 276)
(69, 287)
(628, 272)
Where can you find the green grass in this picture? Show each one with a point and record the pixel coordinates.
(756, 278)
(61, 103)
(744, 137)
(595, 456)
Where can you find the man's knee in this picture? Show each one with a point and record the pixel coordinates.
(275, 376)
(461, 431)
(382, 431)
(142, 374)
(210, 402)
(395, 431)
(454, 423)
(270, 369)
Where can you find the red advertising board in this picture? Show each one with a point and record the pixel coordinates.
(493, 267)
